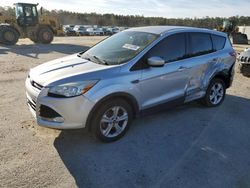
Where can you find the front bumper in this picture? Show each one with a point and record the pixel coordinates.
(73, 111)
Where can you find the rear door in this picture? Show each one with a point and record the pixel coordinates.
(164, 84)
(200, 56)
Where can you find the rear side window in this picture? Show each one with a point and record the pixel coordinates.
(199, 44)
(172, 48)
(218, 42)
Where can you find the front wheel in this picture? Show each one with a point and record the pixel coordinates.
(45, 35)
(111, 120)
(8, 35)
(215, 93)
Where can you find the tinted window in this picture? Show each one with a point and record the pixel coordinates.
(28, 11)
(170, 49)
(218, 42)
(34, 11)
(199, 44)
(19, 11)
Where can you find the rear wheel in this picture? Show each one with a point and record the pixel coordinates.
(215, 93)
(8, 35)
(45, 35)
(111, 120)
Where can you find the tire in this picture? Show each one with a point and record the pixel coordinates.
(115, 129)
(45, 35)
(34, 39)
(8, 35)
(212, 99)
(1, 38)
(244, 69)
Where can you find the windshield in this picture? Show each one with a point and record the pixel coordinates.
(119, 48)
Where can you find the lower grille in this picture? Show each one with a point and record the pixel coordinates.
(31, 104)
(48, 112)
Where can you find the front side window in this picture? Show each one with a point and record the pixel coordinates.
(119, 48)
(199, 44)
(170, 49)
(34, 11)
(19, 11)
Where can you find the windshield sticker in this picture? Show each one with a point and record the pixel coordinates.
(131, 47)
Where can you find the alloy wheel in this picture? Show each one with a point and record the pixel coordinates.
(216, 93)
(114, 121)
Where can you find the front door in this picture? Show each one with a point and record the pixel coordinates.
(168, 83)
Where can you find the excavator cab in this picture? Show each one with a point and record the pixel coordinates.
(26, 14)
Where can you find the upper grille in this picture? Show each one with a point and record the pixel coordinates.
(48, 112)
(32, 104)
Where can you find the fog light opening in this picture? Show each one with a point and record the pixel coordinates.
(55, 119)
(58, 119)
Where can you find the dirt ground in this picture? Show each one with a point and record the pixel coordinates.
(188, 146)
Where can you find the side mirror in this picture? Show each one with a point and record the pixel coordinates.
(156, 62)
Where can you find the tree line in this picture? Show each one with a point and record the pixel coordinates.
(67, 17)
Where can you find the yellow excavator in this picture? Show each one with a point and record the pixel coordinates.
(28, 24)
(230, 27)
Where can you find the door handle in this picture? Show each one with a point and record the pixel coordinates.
(135, 81)
(181, 68)
(214, 60)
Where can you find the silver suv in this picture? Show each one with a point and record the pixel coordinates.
(131, 73)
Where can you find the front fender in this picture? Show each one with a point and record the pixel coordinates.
(102, 92)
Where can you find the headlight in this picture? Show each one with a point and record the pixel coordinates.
(72, 89)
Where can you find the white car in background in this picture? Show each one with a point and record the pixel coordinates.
(94, 31)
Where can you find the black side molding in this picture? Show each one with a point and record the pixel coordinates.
(162, 107)
(135, 81)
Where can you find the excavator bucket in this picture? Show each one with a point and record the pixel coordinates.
(239, 38)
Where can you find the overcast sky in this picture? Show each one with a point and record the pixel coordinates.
(162, 8)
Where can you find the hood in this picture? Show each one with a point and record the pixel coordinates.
(68, 69)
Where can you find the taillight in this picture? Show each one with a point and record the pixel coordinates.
(233, 54)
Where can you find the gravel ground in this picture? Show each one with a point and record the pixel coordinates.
(189, 146)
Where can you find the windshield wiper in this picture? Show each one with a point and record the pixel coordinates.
(85, 56)
(80, 54)
(94, 58)
(100, 60)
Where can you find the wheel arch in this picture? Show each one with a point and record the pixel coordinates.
(225, 75)
(121, 95)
